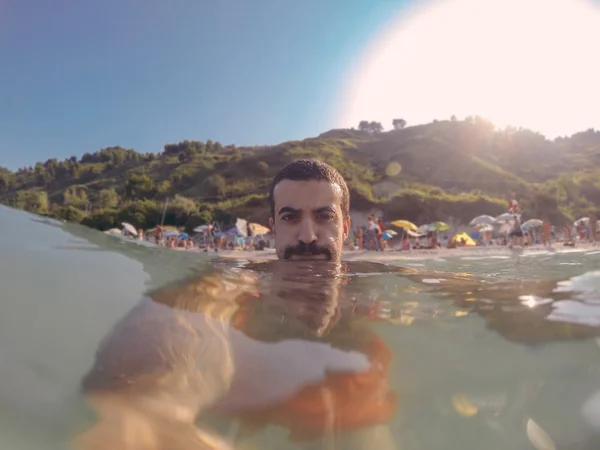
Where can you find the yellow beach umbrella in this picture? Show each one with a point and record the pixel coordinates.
(259, 229)
(405, 224)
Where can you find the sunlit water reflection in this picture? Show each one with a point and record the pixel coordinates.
(466, 352)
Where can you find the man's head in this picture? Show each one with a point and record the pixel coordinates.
(310, 211)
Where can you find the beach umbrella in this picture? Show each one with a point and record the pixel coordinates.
(439, 226)
(183, 236)
(386, 235)
(533, 223)
(506, 217)
(405, 224)
(424, 229)
(168, 233)
(391, 232)
(240, 224)
(484, 228)
(259, 229)
(482, 220)
(129, 228)
(200, 228)
(584, 220)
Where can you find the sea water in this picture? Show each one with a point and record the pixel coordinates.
(485, 350)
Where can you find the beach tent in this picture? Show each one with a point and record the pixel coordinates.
(469, 242)
(236, 231)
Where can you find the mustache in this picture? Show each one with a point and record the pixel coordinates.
(302, 248)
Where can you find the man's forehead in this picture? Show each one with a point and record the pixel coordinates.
(307, 194)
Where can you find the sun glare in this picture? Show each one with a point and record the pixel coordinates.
(529, 63)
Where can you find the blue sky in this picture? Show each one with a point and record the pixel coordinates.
(78, 76)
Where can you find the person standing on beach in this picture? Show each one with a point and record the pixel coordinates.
(371, 236)
(516, 232)
(593, 226)
(546, 229)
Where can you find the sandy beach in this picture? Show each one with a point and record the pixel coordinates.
(393, 255)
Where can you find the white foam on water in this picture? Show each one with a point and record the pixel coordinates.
(575, 312)
(584, 308)
(586, 285)
(432, 280)
(477, 258)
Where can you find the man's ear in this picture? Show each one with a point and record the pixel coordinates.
(346, 227)
(272, 224)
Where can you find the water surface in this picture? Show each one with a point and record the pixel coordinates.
(465, 352)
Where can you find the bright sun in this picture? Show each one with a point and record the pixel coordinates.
(529, 63)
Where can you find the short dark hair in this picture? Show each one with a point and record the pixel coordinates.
(310, 169)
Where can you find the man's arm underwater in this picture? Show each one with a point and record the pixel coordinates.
(166, 361)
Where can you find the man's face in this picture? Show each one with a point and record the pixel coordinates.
(308, 222)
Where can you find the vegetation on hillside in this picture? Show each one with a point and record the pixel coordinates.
(446, 169)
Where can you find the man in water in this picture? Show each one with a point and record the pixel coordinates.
(310, 211)
(176, 355)
(307, 367)
(311, 362)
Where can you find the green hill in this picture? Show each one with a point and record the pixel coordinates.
(437, 171)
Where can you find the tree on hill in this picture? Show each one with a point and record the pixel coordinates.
(33, 201)
(398, 124)
(108, 198)
(370, 127)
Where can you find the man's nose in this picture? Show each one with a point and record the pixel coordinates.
(307, 231)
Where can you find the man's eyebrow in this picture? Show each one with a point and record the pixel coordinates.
(288, 209)
(322, 209)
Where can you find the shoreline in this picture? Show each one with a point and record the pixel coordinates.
(415, 255)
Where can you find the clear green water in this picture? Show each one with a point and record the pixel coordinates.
(472, 349)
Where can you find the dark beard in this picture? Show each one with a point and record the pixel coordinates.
(309, 249)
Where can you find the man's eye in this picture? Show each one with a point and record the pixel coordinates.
(287, 217)
(325, 216)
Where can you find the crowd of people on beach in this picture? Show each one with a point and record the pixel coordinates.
(375, 235)
(210, 238)
(372, 236)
